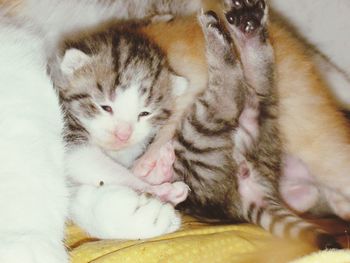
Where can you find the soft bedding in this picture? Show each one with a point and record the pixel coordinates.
(198, 242)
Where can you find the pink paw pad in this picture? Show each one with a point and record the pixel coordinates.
(174, 193)
(157, 169)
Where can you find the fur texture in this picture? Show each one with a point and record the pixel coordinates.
(228, 147)
(305, 107)
(115, 87)
(32, 153)
(33, 191)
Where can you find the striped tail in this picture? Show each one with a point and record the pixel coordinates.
(283, 223)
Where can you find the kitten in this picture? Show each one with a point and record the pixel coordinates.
(228, 147)
(316, 156)
(34, 193)
(116, 90)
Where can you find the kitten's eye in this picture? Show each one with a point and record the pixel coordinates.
(107, 108)
(144, 114)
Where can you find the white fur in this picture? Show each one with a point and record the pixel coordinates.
(126, 106)
(134, 216)
(33, 191)
(88, 165)
(33, 195)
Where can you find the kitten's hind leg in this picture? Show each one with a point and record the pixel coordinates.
(218, 41)
(247, 23)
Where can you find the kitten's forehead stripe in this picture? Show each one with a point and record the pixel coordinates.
(79, 96)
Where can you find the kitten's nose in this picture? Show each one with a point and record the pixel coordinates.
(123, 132)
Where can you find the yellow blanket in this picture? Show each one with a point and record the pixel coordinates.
(196, 242)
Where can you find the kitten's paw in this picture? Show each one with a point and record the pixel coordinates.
(174, 193)
(297, 185)
(218, 40)
(213, 30)
(246, 16)
(120, 213)
(31, 249)
(157, 168)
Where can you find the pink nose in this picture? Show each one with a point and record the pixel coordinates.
(123, 132)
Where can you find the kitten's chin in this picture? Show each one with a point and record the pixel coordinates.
(116, 146)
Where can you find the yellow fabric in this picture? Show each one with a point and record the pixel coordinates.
(196, 242)
(340, 256)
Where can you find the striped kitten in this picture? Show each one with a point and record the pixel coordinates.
(115, 87)
(228, 147)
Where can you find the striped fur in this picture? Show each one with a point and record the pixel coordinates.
(121, 69)
(228, 147)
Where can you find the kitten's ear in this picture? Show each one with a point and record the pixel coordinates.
(179, 84)
(73, 60)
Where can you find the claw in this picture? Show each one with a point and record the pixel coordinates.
(237, 4)
(250, 26)
(249, 16)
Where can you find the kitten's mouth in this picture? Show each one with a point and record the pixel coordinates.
(116, 145)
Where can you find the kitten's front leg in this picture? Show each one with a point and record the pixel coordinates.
(88, 165)
(247, 22)
(118, 212)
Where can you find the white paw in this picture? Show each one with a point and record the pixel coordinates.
(31, 249)
(120, 213)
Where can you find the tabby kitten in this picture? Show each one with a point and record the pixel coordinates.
(228, 147)
(115, 87)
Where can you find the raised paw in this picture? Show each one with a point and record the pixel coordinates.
(173, 193)
(247, 15)
(157, 168)
(212, 28)
(218, 41)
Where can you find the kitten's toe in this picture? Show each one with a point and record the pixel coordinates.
(180, 193)
(248, 16)
(161, 171)
(145, 165)
(217, 37)
(173, 193)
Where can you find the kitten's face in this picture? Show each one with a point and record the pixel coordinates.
(120, 99)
